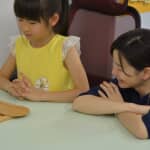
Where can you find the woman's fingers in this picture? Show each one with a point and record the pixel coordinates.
(115, 88)
(102, 94)
(107, 87)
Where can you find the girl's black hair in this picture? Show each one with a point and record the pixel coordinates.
(134, 46)
(44, 9)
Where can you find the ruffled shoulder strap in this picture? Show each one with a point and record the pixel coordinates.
(12, 43)
(71, 41)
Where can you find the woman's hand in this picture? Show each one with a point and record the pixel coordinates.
(111, 92)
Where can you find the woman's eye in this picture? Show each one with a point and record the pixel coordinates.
(119, 68)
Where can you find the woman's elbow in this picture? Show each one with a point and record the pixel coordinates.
(140, 134)
(77, 104)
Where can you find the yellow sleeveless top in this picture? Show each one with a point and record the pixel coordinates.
(43, 66)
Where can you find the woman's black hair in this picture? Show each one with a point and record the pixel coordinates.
(44, 9)
(134, 46)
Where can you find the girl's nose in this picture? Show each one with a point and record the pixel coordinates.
(24, 26)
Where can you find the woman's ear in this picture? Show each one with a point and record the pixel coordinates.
(146, 74)
(54, 19)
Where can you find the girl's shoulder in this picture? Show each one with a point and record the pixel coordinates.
(68, 40)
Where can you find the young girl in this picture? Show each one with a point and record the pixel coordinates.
(48, 64)
(127, 94)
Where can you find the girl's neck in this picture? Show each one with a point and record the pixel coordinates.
(144, 88)
(42, 43)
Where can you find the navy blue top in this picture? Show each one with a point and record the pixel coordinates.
(129, 95)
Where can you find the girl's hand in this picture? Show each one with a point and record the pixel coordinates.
(22, 85)
(34, 94)
(111, 91)
(13, 91)
(26, 89)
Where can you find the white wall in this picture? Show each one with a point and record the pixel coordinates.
(8, 27)
(145, 20)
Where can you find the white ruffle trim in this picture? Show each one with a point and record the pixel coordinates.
(71, 41)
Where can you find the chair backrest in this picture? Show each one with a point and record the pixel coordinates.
(98, 23)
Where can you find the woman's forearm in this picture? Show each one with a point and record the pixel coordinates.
(96, 105)
(133, 122)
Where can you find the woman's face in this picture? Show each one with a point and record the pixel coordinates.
(127, 76)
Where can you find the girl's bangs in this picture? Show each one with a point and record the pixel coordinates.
(27, 9)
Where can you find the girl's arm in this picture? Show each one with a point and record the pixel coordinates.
(76, 69)
(6, 71)
(28, 91)
(62, 96)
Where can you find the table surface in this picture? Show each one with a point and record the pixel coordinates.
(54, 126)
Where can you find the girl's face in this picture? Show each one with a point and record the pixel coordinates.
(127, 76)
(38, 33)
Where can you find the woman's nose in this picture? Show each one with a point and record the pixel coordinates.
(114, 71)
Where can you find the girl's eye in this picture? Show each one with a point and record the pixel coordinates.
(20, 19)
(31, 22)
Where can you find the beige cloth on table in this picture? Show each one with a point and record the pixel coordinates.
(8, 111)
